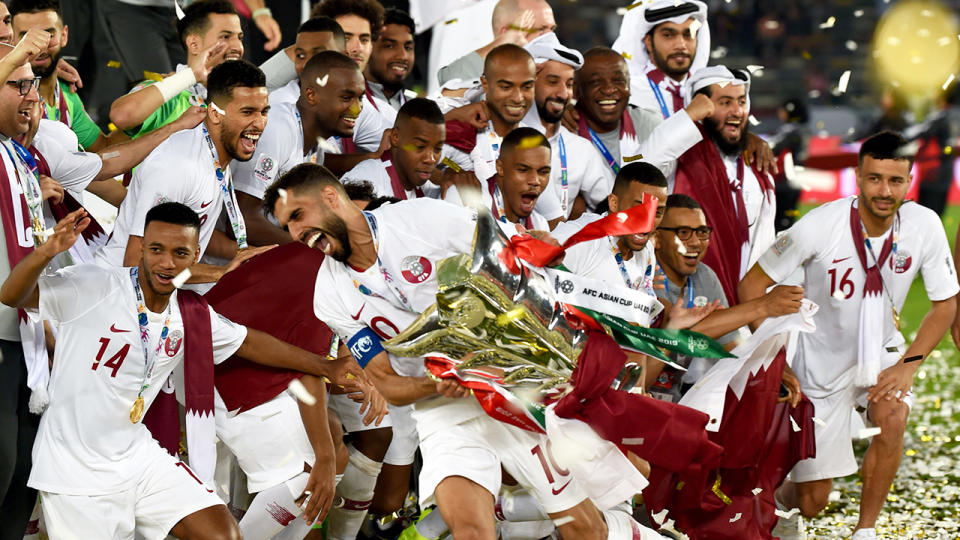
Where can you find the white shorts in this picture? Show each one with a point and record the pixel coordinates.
(835, 457)
(269, 441)
(349, 412)
(166, 491)
(476, 449)
(403, 445)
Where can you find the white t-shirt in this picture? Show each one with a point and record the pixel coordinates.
(375, 172)
(821, 242)
(86, 444)
(279, 149)
(587, 172)
(180, 170)
(409, 251)
(73, 169)
(595, 259)
(539, 222)
(376, 116)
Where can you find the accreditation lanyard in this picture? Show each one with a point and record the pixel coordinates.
(689, 294)
(312, 156)
(612, 163)
(60, 106)
(564, 182)
(617, 256)
(29, 179)
(150, 361)
(229, 197)
(658, 93)
(498, 209)
(387, 278)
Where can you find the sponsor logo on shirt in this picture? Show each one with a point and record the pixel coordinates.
(901, 262)
(265, 165)
(172, 345)
(415, 268)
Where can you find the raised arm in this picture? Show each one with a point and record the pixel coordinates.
(20, 289)
(782, 300)
(120, 158)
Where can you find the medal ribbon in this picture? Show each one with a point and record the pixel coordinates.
(229, 196)
(375, 233)
(312, 156)
(150, 361)
(564, 182)
(29, 180)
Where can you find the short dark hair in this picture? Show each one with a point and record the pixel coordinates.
(885, 145)
(371, 10)
(524, 137)
(35, 6)
(422, 109)
(305, 175)
(682, 200)
(360, 191)
(323, 62)
(638, 171)
(505, 52)
(174, 213)
(196, 18)
(323, 24)
(381, 201)
(233, 74)
(401, 18)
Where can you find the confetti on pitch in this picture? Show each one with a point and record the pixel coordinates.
(844, 81)
(828, 23)
(794, 425)
(301, 393)
(736, 517)
(756, 491)
(948, 81)
(181, 278)
(866, 433)
(786, 515)
(322, 81)
(834, 496)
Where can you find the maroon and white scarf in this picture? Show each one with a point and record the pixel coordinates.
(874, 306)
(163, 419)
(399, 191)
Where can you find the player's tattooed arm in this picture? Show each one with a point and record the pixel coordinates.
(20, 289)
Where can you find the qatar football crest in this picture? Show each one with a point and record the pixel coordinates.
(900, 261)
(172, 345)
(416, 269)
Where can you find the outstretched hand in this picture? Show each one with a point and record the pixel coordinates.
(65, 234)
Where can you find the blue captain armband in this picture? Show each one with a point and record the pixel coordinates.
(364, 345)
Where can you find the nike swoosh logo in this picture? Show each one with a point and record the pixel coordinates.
(563, 487)
(835, 261)
(113, 328)
(357, 316)
(206, 204)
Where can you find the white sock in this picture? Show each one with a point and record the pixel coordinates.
(621, 526)
(356, 489)
(519, 506)
(273, 511)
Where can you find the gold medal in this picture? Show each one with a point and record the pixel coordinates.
(136, 411)
(896, 318)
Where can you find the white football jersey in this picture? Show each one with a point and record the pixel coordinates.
(73, 169)
(86, 444)
(279, 149)
(375, 172)
(180, 170)
(822, 243)
(595, 259)
(538, 222)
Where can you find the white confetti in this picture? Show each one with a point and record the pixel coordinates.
(110, 155)
(327, 146)
(851, 45)
(621, 217)
(721, 52)
(944, 41)
(283, 195)
(753, 120)
(48, 233)
(632, 441)
(178, 10)
(858, 13)
(844, 80)
(563, 521)
(756, 491)
(793, 424)
(754, 69)
(660, 516)
(300, 392)
(786, 515)
(819, 422)
(828, 23)
(322, 81)
(834, 496)
(181, 278)
(695, 26)
(681, 249)
(866, 433)
(736, 517)
(217, 108)
(948, 81)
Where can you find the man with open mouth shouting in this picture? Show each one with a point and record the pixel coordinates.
(191, 168)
